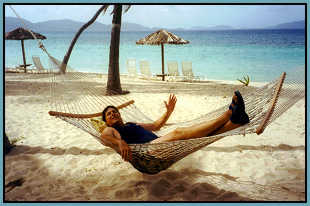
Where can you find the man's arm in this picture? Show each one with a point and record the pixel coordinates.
(112, 138)
(163, 119)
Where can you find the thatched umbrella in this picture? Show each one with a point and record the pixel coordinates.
(22, 34)
(162, 37)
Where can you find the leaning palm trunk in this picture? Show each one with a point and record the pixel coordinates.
(67, 56)
(114, 84)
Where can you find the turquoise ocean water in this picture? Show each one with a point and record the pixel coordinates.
(227, 55)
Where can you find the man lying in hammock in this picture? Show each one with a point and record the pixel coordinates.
(119, 134)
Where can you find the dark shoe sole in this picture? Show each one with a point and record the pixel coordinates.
(239, 116)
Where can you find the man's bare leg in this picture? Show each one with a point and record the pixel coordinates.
(226, 127)
(200, 130)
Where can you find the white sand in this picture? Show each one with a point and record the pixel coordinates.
(59, 162)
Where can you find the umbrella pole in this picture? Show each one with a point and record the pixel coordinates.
(23, 49)
(162, 62)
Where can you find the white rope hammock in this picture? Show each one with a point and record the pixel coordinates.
(263, 106)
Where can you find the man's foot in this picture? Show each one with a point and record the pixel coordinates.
(236, 100)
(232, 104)
(239, 116)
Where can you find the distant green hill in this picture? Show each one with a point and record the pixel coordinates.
(67, 25)
(13, 23)
(290, 25)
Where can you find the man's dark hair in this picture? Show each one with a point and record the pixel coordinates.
(106, 109)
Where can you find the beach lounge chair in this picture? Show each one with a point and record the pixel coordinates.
(173, 71)
(145, 69)
(37, 63)
(187, 71)
(131, 67)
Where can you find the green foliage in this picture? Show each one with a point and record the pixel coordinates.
(245, 80)
(17, 139)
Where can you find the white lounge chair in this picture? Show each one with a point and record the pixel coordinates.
(145, 69)
(173, 71)
(131, 67)
(187, 71)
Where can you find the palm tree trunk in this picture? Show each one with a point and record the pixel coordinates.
(114, 84)
(67, 56)
(24, 58)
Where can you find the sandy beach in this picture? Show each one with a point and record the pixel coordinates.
(59, 162)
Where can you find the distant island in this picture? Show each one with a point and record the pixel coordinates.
(67, 25)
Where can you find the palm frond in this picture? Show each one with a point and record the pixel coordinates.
(245, 81)
(105, 8)
(127, 7)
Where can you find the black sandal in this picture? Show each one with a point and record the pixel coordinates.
(239, 116)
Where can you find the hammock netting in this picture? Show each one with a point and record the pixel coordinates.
(263, 105)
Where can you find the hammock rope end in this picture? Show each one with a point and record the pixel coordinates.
(71, 115)
(260, 129)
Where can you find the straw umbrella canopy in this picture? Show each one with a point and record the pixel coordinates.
(22, 34)
(162, 37)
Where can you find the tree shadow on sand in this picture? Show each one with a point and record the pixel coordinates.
(166, 186)
(27, 149)
(186, 185)
(266, 148)
(123, 183)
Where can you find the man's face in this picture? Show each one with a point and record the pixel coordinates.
(112, 117)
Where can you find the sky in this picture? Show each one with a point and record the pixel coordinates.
(170, 16)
